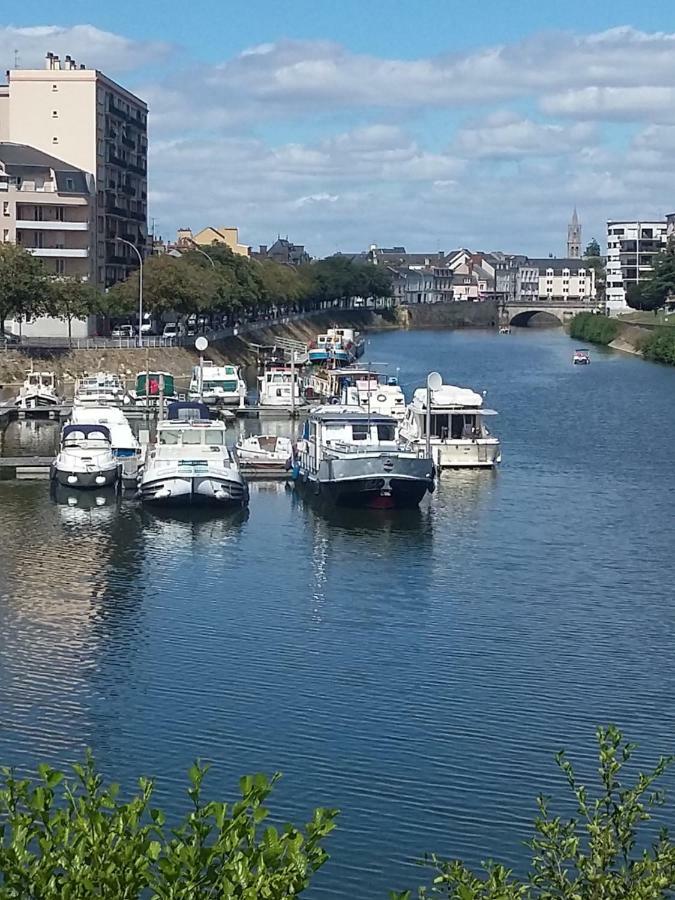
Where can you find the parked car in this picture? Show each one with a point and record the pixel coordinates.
(6, 337)
(123, 331)
(171, 330)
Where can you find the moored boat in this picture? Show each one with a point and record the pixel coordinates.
(279, 385)
(581, 358)
(459, 437)
(150, 386)
(264, 451)
(101, 389)
(85, 458)
(352, 458)
(190, 462)
(38, 391)
(217, 385)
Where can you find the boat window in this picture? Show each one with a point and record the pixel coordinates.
(214, 437)
(169, 437)
(439, 425)
(192, 436)
(360, 431)
(385, 433)
(463, 426)
(225, 385)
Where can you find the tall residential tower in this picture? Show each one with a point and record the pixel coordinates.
(80, 116)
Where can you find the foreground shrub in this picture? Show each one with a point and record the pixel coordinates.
(71, 837)
(659, 346)
(592, 856)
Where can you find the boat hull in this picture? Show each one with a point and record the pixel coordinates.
(196, 490)
(37, 401)
(379, 481)
(479, 454)
(71, 478)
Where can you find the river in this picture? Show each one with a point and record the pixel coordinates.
(416, 670)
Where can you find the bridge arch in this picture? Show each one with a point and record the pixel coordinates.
(536, 318)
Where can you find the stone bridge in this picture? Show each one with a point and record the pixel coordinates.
(519, 314)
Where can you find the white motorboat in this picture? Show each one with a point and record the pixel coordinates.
(38, 390)
(370, 391)
(124, 442)
(101, 389)
(217, 385)
(279, 385)
(190, 462)
(86, 458)
(581, 358)
(264, 451)
(355, 459)
(459, 435)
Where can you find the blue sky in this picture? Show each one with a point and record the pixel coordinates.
(436, 124)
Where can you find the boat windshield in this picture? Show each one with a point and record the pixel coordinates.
(214, 384)
(454, 425)
(212, 437)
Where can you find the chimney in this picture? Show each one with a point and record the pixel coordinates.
(82, 66)
(263, 249)
(56, 62)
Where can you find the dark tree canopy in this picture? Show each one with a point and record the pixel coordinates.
(592, 249)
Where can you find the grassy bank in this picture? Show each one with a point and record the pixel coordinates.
(659, 346)
(594, 329)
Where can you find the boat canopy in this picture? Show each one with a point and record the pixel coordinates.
(449, 396)
(153, 378)
(97, 432)
(186, 411)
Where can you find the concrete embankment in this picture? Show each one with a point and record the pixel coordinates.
(70, 364)
(630, 339)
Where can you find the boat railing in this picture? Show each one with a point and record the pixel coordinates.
(344, 447)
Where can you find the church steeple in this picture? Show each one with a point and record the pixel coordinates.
(574, 237)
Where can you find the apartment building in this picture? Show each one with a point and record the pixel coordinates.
(47, 207)
(630, 249)
(95, 125)
(225, 236)
(557, 280)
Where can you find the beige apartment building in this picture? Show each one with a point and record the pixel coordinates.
(80, 116)
(224, 235)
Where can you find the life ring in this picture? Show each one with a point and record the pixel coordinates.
(334, 401)
(381, 398)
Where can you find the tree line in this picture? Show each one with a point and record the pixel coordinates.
(225, 283)
(73, 836)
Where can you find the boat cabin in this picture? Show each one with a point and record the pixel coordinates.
(189, 424)
(456, 414)
(102, 386)
(345, 429)
(96, 437)
(149, 383)
(45, 381)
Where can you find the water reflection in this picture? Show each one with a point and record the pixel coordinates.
(176, 527)
(30, 437)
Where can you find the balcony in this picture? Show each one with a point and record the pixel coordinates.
(59, 252)
(52, 225)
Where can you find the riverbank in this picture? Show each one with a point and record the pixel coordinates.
(656, 344)
(71, 364)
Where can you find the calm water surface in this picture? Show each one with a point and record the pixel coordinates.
(417, 670)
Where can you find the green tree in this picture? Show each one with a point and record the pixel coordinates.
(340, 278)
(73, 837)
(74, 299)
(660, 285)
(595, 855)
(24, 284)
(592, 249)
(169, 284)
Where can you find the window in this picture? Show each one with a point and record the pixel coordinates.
(70, 184)
(360, 431)
(5, 234)
(5, 208)
(386, 432)
(60, 266)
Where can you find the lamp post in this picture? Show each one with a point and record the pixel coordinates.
(204, 253)
(140, 288)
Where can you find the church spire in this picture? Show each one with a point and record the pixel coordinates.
(574, 237)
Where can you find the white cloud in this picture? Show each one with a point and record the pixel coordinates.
(86, 43)
(650, 102)
(505, 135)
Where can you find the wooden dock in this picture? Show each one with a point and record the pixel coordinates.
(24, 467)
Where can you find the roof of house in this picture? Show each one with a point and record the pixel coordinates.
(19, 157)
(557, 264)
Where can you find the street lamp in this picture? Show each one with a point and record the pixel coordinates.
(204, 253)
(140, 288)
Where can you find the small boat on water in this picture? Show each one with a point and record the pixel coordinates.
(349, 344)
(355, 459)
(279, 385)
(101, 389)
(322, 350)
(505, 329)
(581, 358)
(264, 451)
(38, 391)
(217, 385)
(86, 458)
(148, 388)
(459, 435)
(190, 462)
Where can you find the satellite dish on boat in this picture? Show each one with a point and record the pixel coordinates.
(201, 344)
(434, 381)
